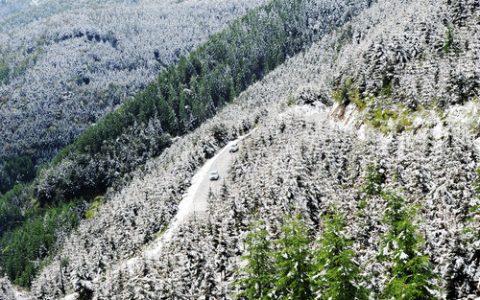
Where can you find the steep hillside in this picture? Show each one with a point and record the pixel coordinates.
(308, 155)
(271, 180)
(16, 13)
(377, 121)
(184, 96)
(61, 73)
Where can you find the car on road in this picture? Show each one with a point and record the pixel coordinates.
(233, 148)
(214, 176)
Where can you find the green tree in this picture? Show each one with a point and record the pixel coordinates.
(373, 181)
(449, 39)
(293, 262)
(35, 239)
(182, 113)
(10, 212)
(230, 88)
(411, 274)
(167, 117)
(336, 275)
(149, 99)
(202, 102)
(258, 281)
(17, 169)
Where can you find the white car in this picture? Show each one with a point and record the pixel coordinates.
(214, 176)
(233, 148)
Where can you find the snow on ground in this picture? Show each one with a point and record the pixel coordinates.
(19, 294)
(73, 296)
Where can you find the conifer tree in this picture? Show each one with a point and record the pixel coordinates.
(258, 271)
(167, 115)
(470, 238)
(373, 181)
(411, 274)
(336, 275)
(472, 230)
(183, 115)
(293, 262)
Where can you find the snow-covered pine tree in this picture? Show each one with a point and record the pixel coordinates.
(293, 262)
(373, 181)
(468, 245)
(411, 271)
(257, 281)
(336, 275)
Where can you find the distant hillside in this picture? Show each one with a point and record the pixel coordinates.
(15, 13)
(8, 8)
(61, 73)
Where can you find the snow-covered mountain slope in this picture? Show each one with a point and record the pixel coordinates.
(59, 74)
(133, 149)
(403, 74)
(193, 205)
(304, 168)
(14, 13)
(9, 7)
(151, 198)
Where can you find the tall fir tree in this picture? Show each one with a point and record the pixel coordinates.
(411, 273)
(336, 275)
(293, 261)
(167, 117)
(257, 283)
